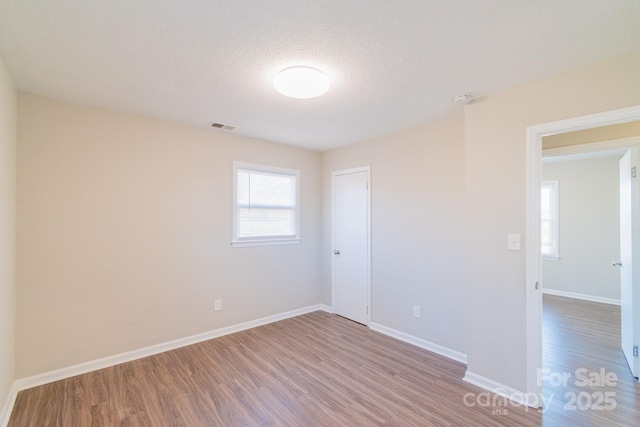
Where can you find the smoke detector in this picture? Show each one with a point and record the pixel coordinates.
(216, 125)
(463, 99)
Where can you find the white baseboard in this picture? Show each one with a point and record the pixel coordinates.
(94, 365)
(516, 396)
(325, 307)
(5, 413)
(419, 342)
(583, 297)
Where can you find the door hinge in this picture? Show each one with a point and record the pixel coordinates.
(367, 185)
(368, 313)
(537, 285)
(634, 171)
(635, 350)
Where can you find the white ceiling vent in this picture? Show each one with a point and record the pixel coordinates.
(222, 126)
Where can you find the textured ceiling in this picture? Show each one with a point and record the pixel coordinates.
(392, 63)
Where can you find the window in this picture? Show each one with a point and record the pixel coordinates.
(549, 220)
(266, 205)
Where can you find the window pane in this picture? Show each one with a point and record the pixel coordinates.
(266, 222)
(549, 219)
(266, 203)
(266, 189)
(545, 203)
(243, 187)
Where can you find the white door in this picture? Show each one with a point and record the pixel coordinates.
(628, 290)
(351, 244)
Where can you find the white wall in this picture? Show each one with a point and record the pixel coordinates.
(495, 142)
(418, 240)
(589, 227)
(124, 230)
(8, 111)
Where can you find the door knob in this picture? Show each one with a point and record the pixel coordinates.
(616, 264)
(336, 252)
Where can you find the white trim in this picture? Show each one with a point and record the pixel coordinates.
(326, 308)
(419, 342)
(567, 158)
(533, 304)
(367, 170)
(583, 297)
(516, 396)
(94, 365)
(590, 121)
(7, 408)
(271, 242)
(533, 261)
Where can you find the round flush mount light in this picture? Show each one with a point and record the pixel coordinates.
(301, 82)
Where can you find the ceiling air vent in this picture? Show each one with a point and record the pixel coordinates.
(222, 126)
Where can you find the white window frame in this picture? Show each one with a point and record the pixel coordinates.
(555, 188)
(266, 240)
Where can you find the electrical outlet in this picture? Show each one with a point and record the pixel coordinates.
(416, 311)
(217, 305)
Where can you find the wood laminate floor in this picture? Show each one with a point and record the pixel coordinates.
(581, 341)
(313, 370)
(322, 370)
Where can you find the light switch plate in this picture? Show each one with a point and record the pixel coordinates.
(514, 242)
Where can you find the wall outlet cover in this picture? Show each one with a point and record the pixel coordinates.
(513, 242)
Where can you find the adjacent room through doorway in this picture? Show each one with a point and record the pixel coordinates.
(584, 371)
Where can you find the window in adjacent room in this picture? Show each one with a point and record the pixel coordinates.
(266, 205)
(549, 219)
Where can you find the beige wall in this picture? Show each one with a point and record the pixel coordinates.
(124, 226)
(589, 227)
(8, 111)
(418, 241)
(495, 200)
(604, 133)
(124, 230)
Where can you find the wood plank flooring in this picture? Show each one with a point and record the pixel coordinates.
(586, 335)
(322, 370)
(313, 370)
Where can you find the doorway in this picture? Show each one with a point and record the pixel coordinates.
(533, 259)
(351, 244)
(581, 278)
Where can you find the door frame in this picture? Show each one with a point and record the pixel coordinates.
(334, 174)
(533, 298)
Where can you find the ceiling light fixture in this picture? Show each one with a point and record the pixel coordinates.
(301, 82)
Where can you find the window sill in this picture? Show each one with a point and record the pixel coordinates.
(550, 258)
(275, 242)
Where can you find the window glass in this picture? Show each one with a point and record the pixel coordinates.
(549, 219)
(265, 204)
